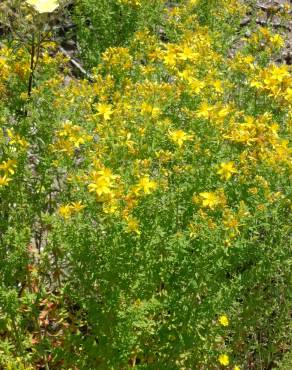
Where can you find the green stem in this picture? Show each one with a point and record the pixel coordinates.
(16, 335)
(32, 66)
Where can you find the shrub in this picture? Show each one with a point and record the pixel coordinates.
(106, 23)
(145, 214)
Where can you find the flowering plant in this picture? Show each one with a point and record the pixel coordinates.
(144, 211)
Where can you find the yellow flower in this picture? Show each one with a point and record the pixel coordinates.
(205, 111)
(217, 84)
(44, 6)
(170, 56)
(253, 190)
(105, 110)
(8, 166)
(196, 85)
(230, 222)
(179, 137)
(149, 109)
(210, 199)
(65, 211)
(236, 367)
(133, 226)
(223, 320)
(111, 206)
(226, 170)
(145, 185)
(102, 182)
(279, 73)
(277, 41)
(77, 206)
(4, 180)
(16, 139)
(223, 359)
(193, 230)
(187, 54)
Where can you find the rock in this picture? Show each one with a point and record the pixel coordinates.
(245, 21)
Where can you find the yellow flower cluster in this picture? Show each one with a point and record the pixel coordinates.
(6, 170)
(264, 37)
(276, 81)
(179, 137)
(67, 210)
(103, 182)
(69, 138)
(211, 200)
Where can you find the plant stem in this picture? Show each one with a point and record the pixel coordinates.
(32, 66)
(16, 335)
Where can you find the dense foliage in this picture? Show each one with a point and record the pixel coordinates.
(145, 213)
